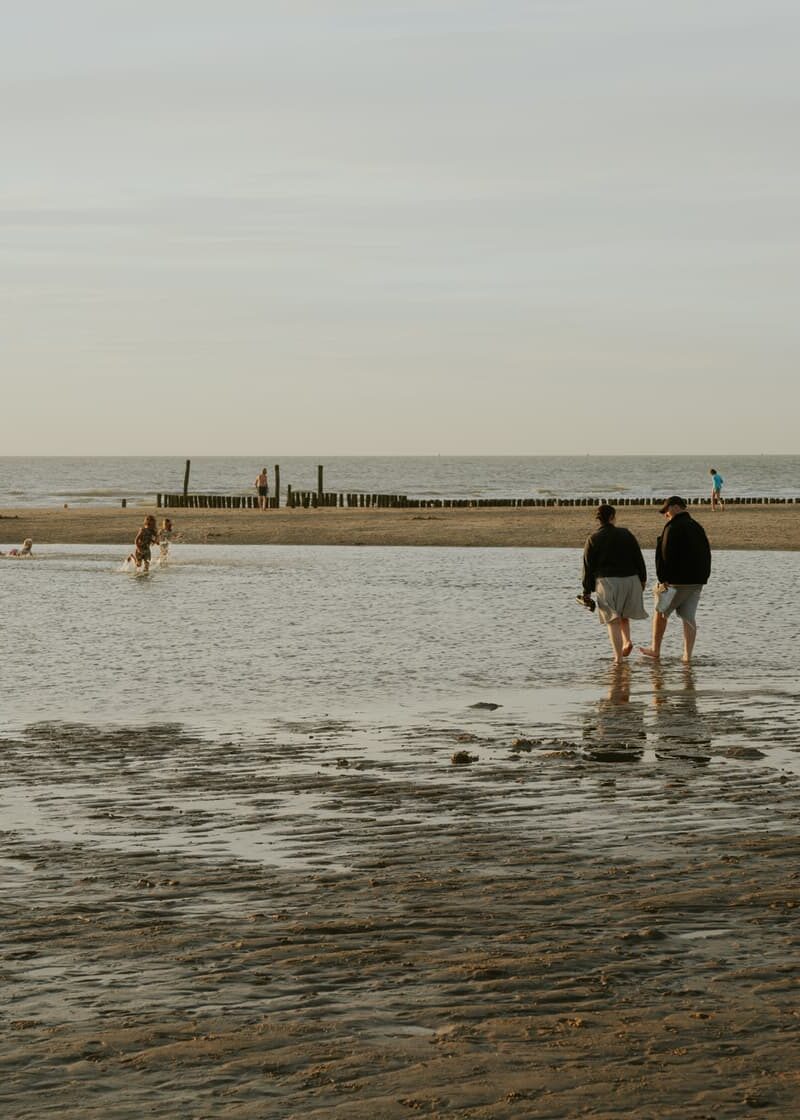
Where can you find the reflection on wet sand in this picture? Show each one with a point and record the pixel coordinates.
(677, 720)
(617, 727)
(614, 730)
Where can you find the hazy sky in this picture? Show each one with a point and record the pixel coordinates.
(366, 226)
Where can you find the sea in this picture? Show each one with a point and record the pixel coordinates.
(75, 481)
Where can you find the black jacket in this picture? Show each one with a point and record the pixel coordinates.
(683, 554)
(611, 551)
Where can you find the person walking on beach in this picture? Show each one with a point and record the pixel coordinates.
(262, 486)
(683, 565)
(614, 568)
(717, 481)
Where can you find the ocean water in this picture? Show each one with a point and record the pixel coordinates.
(96, 481)
(249, 640)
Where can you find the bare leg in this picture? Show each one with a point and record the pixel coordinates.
(615, 637)
(689, 635)
(619, 691)
(659, 626)
(627, 644)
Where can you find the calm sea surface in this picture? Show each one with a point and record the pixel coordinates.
(239, 640)
(93, 481)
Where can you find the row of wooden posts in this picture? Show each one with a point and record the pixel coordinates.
(310, 499)
(320, 498)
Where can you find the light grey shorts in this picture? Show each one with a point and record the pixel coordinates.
(685, 602)
(619, 597)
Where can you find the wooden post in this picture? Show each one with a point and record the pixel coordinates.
(319, 482)
(276, 473)
(186, 477)
(125, 502)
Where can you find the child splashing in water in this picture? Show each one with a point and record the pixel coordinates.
(164, 539)
(147, 536)
(25, 550)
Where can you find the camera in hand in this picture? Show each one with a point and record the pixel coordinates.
(586, 601)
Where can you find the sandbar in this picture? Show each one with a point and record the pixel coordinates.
(764, 527)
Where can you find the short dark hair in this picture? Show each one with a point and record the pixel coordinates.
(673, 501)
(604, 513)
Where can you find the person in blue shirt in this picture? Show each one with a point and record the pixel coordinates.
(717, 501)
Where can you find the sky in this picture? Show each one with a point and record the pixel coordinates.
(431, 227)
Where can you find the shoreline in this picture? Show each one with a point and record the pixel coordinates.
(764, 528)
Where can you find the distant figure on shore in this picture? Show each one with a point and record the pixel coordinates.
(25, 550)
(145, 538)
(614, 568)
(262, 486)
(164, 541)
(717, 482)
(683, 565)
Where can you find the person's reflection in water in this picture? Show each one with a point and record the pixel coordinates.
(679, 727)
(615, 731)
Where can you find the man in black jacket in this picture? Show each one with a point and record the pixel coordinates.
(683, 563)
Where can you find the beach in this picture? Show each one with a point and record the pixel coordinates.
(770, 527)
(362, 807)
(404, 936)
(296, 832)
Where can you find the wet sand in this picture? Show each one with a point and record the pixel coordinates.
(323, 923)
(741, 527)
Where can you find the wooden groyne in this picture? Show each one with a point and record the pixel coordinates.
(313, 499)
(321, 499)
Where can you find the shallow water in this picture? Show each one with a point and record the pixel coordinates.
(233, 639)
(262, 703)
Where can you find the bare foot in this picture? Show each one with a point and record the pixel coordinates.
(651, 653)
(627, 649)
(686, 660)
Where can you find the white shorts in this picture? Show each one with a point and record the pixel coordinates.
(619, 597)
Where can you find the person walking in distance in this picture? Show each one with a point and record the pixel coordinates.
(614, 568)
(683, 565)
(262, 486)
(717, 501)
